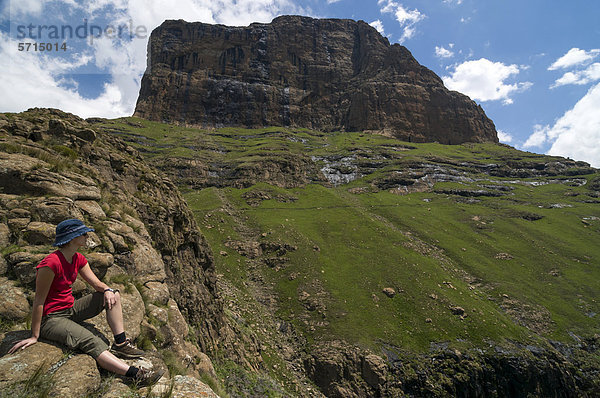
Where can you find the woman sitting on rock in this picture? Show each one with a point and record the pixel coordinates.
(57, 316)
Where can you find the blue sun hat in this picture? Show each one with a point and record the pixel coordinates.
(68, 230)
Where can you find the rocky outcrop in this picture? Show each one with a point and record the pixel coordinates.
(513, 370)
(45, 370)
(53, 166)
(324, 74)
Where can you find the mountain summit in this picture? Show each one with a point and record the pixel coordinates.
(325, 74)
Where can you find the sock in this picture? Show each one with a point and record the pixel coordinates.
(131, 372)
(120, 338)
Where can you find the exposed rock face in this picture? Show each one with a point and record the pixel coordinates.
(146, 243)
(323, 74)
(344, 371)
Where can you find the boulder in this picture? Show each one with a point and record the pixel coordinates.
(159, 313)
(117, 242)
(80, 288)
(458, 311)
(147, 264)
(77, 377)
(22, 265)
(13, 305)
(39, 233)
(100, 263)
(91, 208)
(119, 228)
(203, 364)
(55, 210)
(16, 225)
(57, 127)
(137, 226)
(157, 292)
(4, 235)
(13, 167)
(374, 370)
(86, 134)
(176, 320)
(93, 240)
(19, 213)
(186, 387)
(3, 266)
(21, 174)
(22, 365)
(117, 389)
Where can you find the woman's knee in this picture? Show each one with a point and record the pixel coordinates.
(91, 345)
(116, 302)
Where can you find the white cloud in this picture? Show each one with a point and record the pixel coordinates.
(379, 26)
(442, 52)
(504, 137)
(574, 57)
(333, 1)
(32, 80)
(538, 138)
(407, 18)
(576, 134)
(23, 7)
(35, 79)
(586, 76)
(484, 80)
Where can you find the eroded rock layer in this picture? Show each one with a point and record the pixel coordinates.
(54, 166)
(324, 74)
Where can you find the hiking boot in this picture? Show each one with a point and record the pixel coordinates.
(147, 377)
(126, 350)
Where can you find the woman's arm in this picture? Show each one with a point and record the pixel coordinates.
(43, 281)
(88, 275)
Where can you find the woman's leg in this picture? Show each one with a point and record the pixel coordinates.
(66, 332)
(91, 305)
(108, 361)
(114, 316)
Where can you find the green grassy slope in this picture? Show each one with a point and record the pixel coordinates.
(517, 252)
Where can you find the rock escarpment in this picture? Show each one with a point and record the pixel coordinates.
(323, 74)
(54, 166)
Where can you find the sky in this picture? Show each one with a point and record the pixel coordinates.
(533, 65)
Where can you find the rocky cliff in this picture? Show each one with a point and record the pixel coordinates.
(53, 166)
(323, 74)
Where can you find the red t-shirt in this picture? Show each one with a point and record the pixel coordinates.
(60, 296)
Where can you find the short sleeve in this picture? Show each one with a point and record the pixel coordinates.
(81, 261)
(50, 261)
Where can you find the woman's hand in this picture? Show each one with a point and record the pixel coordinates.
(110, 298)
(23, 344)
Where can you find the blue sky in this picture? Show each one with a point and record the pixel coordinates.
(533, 65)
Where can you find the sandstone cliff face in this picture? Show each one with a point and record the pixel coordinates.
(323, 74)
(53, 166)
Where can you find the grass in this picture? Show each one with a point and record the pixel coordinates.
(377, 239)
(239, 382)
(38, 385)
(522, 264)
(56, 159)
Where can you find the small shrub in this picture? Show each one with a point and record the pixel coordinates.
(173, 364)
(66, 151)
(125, 280)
